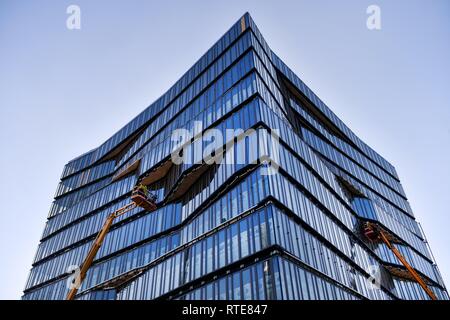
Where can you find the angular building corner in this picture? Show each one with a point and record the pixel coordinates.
(231, 229)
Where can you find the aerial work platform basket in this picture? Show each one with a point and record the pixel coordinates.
(142, 199)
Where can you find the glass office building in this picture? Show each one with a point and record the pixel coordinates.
(230, 229)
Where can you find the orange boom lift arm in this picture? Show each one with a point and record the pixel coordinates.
(139, 198)
(374, 233)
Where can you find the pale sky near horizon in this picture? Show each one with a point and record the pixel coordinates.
(64, 92)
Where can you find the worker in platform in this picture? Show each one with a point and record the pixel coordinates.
(143, 189)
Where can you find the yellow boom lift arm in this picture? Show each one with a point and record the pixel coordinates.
(374, 233)
(138, 198)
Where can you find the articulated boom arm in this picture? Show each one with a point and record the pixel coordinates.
(378, 233)
(139, 198)
(411, 270)
(97, 244)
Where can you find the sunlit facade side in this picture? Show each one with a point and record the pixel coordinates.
(229, 230)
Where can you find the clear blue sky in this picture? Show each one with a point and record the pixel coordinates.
(64, 92)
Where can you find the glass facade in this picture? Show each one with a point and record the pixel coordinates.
(229, 230)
